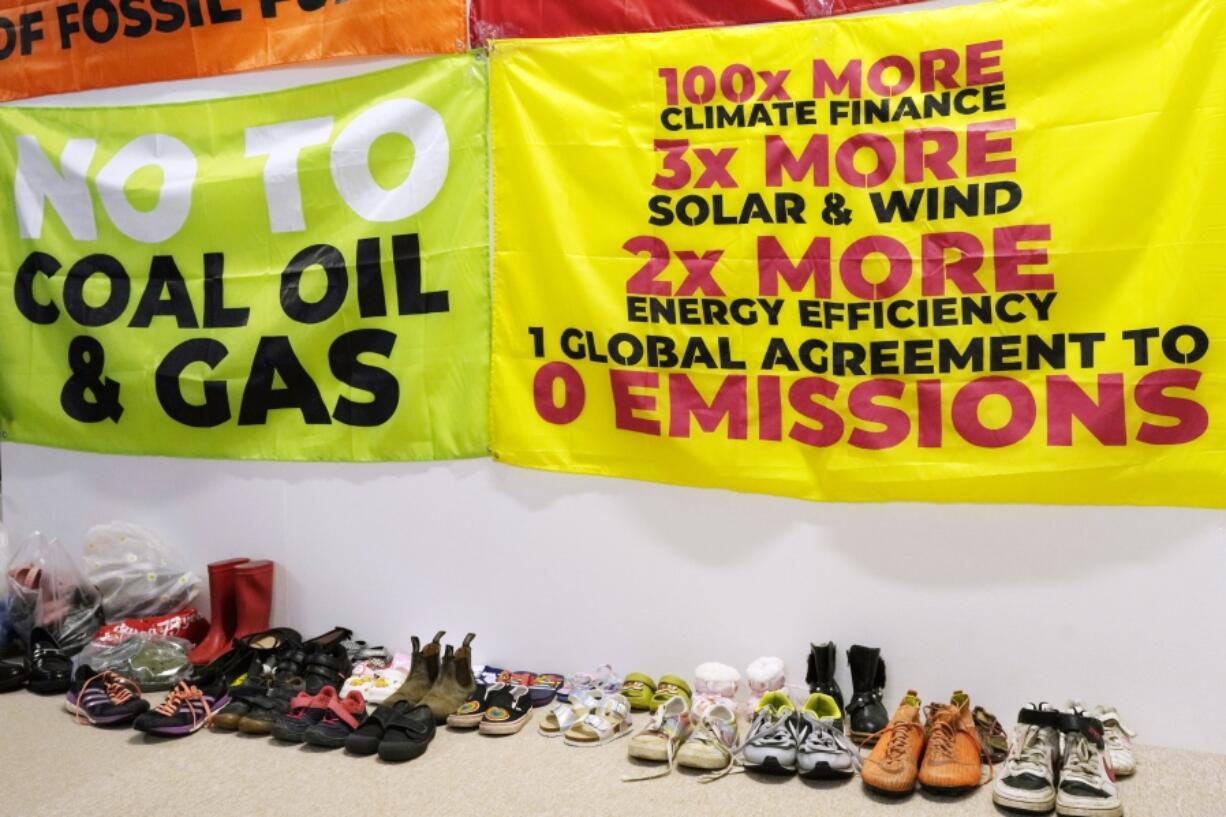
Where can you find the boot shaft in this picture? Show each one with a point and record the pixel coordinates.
(821, 666)
(867, 668)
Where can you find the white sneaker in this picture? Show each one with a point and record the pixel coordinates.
(1086, 788)
(770, 747)
(1119, 741)
(1027, 780)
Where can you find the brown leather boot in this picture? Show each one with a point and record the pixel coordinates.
(423, 671)
(455, 682)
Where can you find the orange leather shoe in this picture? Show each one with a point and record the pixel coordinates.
(892, 767)
(951, 762)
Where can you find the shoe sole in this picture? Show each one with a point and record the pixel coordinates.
(288, 736)
(49, 687)
(824, 771)
(252, 727)
(771, 766)
(324, 741)
(1023, 806)
(401, 752)
(867, 741)
(1077, 811)
(655, 751)
(465, 721)
(949, 791)
(112, 720)
(893, 794)
(508, 728)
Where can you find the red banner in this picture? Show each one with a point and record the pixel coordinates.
(498, 19)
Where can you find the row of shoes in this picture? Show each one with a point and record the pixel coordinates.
(1066, 761)
(503, 700)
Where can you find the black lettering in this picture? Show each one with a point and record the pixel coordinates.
(274, 357)
(406, 255)
(333, 263)
(348, 369)
(74, 290)
(36, 263)
(168, 381)
(164, 277)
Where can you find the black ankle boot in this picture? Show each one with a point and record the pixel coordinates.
(865, 712)
(822, 658)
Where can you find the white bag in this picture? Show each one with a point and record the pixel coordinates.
(137, 573)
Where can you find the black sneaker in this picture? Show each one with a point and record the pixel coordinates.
(188, 708)
(407, 735)
(104, 698)
(341, 719)
(304, 712)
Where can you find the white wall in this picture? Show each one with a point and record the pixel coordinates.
(560, 573)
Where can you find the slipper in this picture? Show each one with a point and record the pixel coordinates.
(509, 710)
(610, 721)
(638, 689)
(669, 686)
(715, 684)
(565, 715)
(545, 687)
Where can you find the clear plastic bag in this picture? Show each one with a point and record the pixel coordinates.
(4, 591)
(153, 661)
(137, 573)
(47, 590)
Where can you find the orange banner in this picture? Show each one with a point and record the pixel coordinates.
(55, 46)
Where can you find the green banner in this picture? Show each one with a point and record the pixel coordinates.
(299, 275)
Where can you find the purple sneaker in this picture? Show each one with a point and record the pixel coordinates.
(187, 709)
(104, 698)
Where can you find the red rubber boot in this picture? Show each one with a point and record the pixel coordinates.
(253, 597)
(221, 611)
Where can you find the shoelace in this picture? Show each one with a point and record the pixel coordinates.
(672, 734)
(118, 689)
(896, 743)
(765, 723)
(825, 736)
(1029, 753)
(1082, 763)
(180, 696)
(942, 740)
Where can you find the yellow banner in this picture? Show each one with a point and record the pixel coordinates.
(970, 254)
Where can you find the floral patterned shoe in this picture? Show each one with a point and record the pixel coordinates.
(712, 742)
(659, 742)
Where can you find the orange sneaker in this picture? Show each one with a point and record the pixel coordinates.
(894, 762)
(951, 762)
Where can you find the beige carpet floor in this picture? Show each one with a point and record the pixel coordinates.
(52, 767)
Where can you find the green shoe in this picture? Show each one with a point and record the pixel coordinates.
(423, 672)
(638, 688)
(669, 686)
